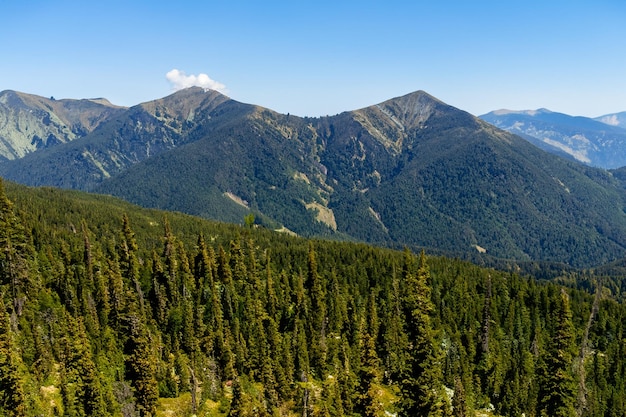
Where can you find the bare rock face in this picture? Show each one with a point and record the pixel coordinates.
(29, 122)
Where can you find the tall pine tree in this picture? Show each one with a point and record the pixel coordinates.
(421, 384)
(12, 395)
(557, 396)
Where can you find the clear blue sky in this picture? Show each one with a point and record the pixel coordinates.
(313, 58)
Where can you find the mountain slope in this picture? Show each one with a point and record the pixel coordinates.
(586, 140)
(613, 119)
(409, 171)
(460, 183)
(136, 134)
(29, 123)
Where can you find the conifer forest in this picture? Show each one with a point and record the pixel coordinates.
(107, 309)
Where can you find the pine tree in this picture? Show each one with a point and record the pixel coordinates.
(557, 397)
(87, 285)
(422, 382)
(395, 339)
(239, 405)
(117, 293)
(367, 399)
(140, 367)
(317, 332)
(12, 395)
(15, 253)
(101, 298)
(271, 305)
(129, 263)
(459, 401)
(225, 277)
(171, 264)
(91, 395)
(203, 272)
(158, 292)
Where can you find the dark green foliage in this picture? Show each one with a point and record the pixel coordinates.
(82, 390)
(15, 252)
(128, 307)
(459, 401)
(141, 366)
(422, 381)
(557, 395)
(12, 395)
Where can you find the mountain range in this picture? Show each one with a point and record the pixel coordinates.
(409, 171)
(599, 142)
(29, 123)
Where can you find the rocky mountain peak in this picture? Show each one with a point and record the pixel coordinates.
(411, 110)
(185, 104)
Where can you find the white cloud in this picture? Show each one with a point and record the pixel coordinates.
(179, 80)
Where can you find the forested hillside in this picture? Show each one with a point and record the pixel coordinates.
(112, 310)
(409, 171)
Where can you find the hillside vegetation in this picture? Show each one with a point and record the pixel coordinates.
(111, 310)
(411, 171)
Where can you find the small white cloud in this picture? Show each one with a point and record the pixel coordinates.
(179, 80)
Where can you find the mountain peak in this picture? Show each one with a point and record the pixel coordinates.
(185, 103)
(194, 90)
(410, 110)
(419, 97)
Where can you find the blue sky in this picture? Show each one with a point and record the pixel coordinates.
(313, 58)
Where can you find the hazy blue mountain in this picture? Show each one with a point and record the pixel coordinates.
(409, 171)
(584, 139)
(613, 119)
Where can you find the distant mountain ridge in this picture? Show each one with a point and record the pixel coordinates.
(29, 122)
(599, 142)
(614, 119)
(408, 171)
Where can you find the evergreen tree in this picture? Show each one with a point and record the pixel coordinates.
(557, 397)
(225, 277)
(81, 387)
(140, 367)
(129, 263)
(459, 402)
(170, 264)
(395, 339)
(240, 403)
(117, 293)
(317, 332)
(422, 382)
(367, 402)
(15, 254)
(12, 395)
(158, 292)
